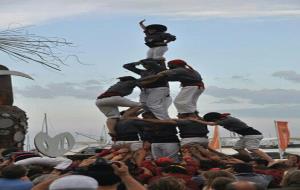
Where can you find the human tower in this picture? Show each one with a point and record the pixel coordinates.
(156, 128)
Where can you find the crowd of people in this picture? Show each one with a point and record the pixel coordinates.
(150, 149)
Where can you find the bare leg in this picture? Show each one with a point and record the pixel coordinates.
(263, 155)
(243, 152)
(111, 123)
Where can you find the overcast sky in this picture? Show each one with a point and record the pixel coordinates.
(246, 51)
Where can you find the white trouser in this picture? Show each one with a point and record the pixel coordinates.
(157, 52)
(194, 140)
(133, 145)
(156, 100)
(170, 150)
(109, 106)
(186, 100)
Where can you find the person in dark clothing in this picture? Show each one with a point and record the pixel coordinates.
(109, 101)
(155, 97)
(191, 83)
(250, 137)
(163, 136)
(244, 172)
(156, 39)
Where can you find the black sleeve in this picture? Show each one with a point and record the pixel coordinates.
(154, 65)
(132, 67)
(169, 37)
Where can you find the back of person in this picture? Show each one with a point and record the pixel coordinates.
(15, 184)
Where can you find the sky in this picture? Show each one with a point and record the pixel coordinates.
(246, 51)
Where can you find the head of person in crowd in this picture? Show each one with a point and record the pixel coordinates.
(176, 63)
(210, 176)
(220, 183)
(14, 172)
(174, 169)
(244, 185)
(7, 153)
(103, 172)
(14, 177)
(293, 160)
(259, 163)
(74, 182)
(242, 168)
(209, 164)
(167, 183)
(291, 179)
(215, 116)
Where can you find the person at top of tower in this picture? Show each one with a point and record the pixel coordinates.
(250, 137)
(155, 96)
(156, 39)
(109, 101)
(191, 83)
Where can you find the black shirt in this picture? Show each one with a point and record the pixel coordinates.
(126, 130)
(154, 68)
(121, 88)
(186, 76)
(158, 39)
(189, 128)
(235, 125)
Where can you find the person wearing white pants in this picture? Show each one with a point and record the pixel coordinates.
(191, 83)
(156, 39)
(109, 101)
(154, 97)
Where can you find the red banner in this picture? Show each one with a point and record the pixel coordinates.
(283, 134)
(215, 142)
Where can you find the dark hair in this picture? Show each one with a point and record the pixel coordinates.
(8, 151)
(243, 168)
(212, 116)
(102, 171)
(278, 166)
(174, 169)
(14, 171)
(166, 183)
(260, 161)
(220, 183)
(208, 164)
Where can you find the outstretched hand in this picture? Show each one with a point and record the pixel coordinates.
(120, 169)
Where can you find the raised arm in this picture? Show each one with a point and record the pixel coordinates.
(141, 23)
(204, 122)
(121, 170)
(132, 67)
(156, 121)
(151, 79)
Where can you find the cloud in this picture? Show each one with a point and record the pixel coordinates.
(84, 90)
(29, 12)
(279, 111)
(227, 101)
(288, 75)
(262, 97)
(240, 78)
